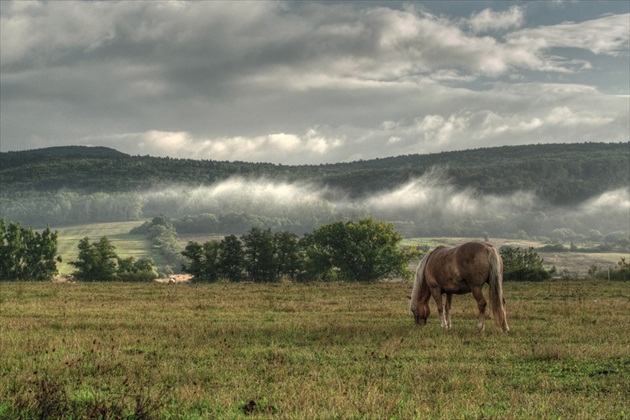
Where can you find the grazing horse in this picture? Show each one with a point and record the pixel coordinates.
(459, 270)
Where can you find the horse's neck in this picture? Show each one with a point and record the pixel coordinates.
(421, 292)
(425, 291)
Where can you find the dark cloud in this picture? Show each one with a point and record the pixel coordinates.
(306, 82)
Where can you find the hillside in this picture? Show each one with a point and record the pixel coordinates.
(559, 173)
(556, 192)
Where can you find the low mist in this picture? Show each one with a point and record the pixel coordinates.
(429, 205)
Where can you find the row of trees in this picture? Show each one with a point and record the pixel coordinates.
(352, 251)
(27, 254)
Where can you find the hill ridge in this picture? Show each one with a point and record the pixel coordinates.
(560, 172)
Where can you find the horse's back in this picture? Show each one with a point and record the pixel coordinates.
(472, 260)
(458, 269)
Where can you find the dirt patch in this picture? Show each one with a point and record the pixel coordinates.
(176, 279)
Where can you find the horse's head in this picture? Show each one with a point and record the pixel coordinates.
(421, 313)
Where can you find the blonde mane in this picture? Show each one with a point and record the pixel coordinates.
(417, 282)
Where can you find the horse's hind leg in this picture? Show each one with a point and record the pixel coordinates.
(481, 305)
(449, 298)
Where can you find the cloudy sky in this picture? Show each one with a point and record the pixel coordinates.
(311, 82)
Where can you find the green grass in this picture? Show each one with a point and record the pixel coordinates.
(114, 350)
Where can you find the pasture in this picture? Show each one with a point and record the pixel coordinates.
(288, 350)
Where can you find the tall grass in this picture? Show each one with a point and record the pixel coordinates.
(308, 351)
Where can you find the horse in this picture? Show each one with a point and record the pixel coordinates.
(459, 270)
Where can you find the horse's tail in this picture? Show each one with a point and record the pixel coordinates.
(417, 282)
(497, 302)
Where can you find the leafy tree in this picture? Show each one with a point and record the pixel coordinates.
(141, 270)
(523, 265)
(363, 251)
(288, 261)
(231, 258)
(204, 260)
(260, 261)
(317, 259)
(163, 236)
(96, 261)
(26, 254)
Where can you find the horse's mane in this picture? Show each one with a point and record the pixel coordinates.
(417, 282)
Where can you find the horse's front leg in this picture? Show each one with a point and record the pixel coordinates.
(481, 305)
(449, 298)
(437, 296)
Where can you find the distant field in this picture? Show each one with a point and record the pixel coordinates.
(127, 245)
(571, 262)
(294, 351)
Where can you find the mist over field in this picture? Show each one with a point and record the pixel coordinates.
(426, 205)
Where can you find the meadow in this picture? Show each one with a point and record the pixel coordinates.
(327, 350)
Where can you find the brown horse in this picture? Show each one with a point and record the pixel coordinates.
(459, 270)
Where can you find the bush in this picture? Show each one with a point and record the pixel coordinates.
(523, 265)
(621, 272)
(527, 274)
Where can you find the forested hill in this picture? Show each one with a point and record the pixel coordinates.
(558, 173)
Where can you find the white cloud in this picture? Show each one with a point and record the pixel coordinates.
(489, 20)
(275, 148)
(605, 35)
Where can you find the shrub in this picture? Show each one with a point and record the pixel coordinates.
(523, 265)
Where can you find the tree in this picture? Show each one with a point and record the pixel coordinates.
(523, 265)
(141, 270)
(231, 258)
(26, 254)
(288, 261)
(260, 261)
(204, 260)
(96, 261)
(363, 251)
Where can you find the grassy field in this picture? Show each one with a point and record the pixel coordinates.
(308, 351)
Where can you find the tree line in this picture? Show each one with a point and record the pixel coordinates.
(366, 250)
